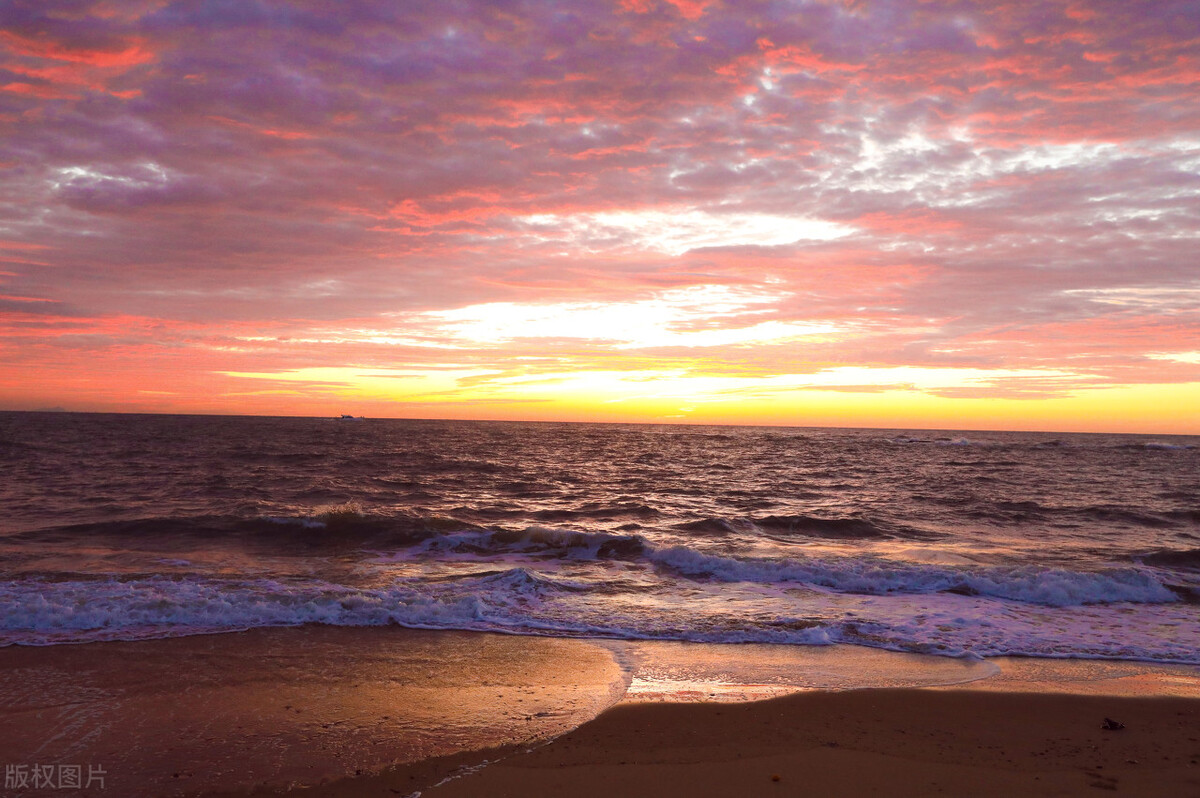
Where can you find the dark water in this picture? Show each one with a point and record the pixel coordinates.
(119, 527)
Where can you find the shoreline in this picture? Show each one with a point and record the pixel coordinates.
(1028, 726)
(336, 712)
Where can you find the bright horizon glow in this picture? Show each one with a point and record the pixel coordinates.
(815, 409)
(835, 398)
(817, 214)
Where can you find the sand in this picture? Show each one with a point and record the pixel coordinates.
(229, 712)
(340, 713)
(1005, 727)
(906, 742)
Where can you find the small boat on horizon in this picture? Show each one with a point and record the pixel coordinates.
(348, 417)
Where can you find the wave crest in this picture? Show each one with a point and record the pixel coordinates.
(1027, 584)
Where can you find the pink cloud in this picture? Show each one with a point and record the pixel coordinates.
(288, 167)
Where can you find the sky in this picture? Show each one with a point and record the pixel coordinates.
(950, 215)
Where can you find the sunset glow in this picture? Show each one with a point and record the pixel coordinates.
(957, 215)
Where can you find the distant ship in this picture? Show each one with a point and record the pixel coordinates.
(348, 417)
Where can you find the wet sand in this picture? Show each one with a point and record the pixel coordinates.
(335, 713)
(280, 707)
(675, 672)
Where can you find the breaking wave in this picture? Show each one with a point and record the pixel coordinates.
(1052, 587)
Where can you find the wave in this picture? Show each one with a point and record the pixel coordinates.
(710, 526)
(1187, 558)
(1028, 584)
(506, 601)
(845, 528)
(410, 535)
(1014, 512)
(804, 525)
(342, 525)
(942, 440)
(50, 612)
(785, 528)
(613, 545)
(1120, 515)
(538, 540)
(525, 582)
(348, 525)
(1009, 512)
(597, 510)
(1053, 587)
(412, 538)
(524, 600)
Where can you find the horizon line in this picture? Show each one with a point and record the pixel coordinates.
(671, 423)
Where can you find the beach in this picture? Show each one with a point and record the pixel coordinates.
(659, 398)
(1034, 727)
(284, 707)
(863, 743)
(205, 606)
(323, 711)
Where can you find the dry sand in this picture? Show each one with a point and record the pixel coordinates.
(864, 743)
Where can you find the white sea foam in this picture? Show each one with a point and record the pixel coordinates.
(121, 609)
(1055, 587)
(1029, 584)
(526, 600)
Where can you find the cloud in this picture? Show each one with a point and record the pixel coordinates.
(676, 231)
(264, 185)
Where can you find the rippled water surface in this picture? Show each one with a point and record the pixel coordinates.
(955, 543)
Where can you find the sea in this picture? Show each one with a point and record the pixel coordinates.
(960, 544)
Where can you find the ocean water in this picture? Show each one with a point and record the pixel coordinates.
(120, 527)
